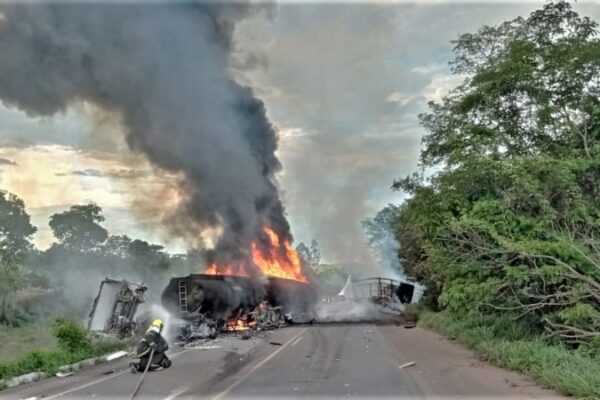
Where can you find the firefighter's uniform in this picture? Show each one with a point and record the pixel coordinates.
(152, 339)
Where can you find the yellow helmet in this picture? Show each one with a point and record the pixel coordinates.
(157, 323)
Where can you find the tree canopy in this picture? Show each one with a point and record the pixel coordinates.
(78, 228)
(16, 232)
(510, 223)
(532, 87)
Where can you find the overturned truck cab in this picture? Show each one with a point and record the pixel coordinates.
(114, 308)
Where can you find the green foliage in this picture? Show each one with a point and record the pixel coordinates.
(509, 224)
(16, 232)
(70, 336)
(19, 340)
(78, 228)
(531, 88)
(49, 360)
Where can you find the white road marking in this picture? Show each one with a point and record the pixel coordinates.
(107, 378)
(257, 366)
(54, 396)
(297, 341)
(176, 393)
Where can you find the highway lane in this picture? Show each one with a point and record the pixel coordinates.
(342, 360)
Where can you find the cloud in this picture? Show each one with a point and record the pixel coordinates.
(118, 173)
(86, 172)
(440, 86)
(6, 161)
(399, 98)
(134, 200)
(427, 69)
(245, 61)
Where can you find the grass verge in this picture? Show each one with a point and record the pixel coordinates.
(505, 345)
(49, 360)
(73, 345)
(17, 341)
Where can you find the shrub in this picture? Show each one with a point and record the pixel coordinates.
(71, 337)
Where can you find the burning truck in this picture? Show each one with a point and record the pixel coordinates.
(268, 291)
(208, 304)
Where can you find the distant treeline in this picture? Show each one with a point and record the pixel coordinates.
(65, 277)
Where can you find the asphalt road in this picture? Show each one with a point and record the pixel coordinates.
(353, 360)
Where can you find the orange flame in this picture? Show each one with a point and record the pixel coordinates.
(287, 266)
(240, 325)
(270, 262)
(215, 269)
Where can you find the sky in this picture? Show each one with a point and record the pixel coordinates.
(342, 83)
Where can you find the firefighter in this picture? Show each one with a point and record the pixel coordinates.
(152, 340)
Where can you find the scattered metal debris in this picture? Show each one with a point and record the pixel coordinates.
(114, 308)
(408, 364)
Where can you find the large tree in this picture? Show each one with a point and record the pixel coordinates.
(16, 232)
(380, 237)
(532, 87)
(78, 229)
(311, 255)
(510, 223)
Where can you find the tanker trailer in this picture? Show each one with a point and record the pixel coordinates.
(214, 297)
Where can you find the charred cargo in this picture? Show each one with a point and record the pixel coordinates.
(222, 302)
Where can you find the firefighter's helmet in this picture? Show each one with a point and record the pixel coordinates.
(158, 324)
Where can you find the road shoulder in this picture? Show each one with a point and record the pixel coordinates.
(444, 368)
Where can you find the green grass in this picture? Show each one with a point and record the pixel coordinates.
(21, 340)
(49, 360)
(508, 345)
(72, 346)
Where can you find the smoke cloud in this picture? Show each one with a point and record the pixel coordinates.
(163, 71)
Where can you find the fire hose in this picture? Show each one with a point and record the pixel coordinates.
(137, 387)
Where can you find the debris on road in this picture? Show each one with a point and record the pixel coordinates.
(408, 364)
(114, 356)
(275, 343)
(64, 374)
(204, 347)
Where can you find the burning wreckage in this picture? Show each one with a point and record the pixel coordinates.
(206, 304)
(268, 291)
(264, 292)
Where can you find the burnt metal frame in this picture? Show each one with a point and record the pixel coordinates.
(118, 301)
(378, 288)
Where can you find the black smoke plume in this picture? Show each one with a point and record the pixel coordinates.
(163, 70)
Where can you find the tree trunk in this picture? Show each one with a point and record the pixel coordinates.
(3, 318)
